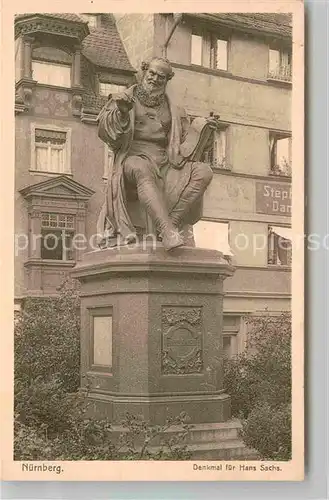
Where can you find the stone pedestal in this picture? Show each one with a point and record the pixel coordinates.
(151, 326)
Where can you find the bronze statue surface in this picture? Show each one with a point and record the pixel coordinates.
(156, 172)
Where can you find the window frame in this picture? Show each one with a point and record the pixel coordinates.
(58, 195)
(224, 164)
(275, 251)
(274, 168)
(232, 332)
(53, 64)
(214, 38)
(103, 82)
(209, 40)
(64, 251)
(271, 75)
(67, 149)
(199, 34)
(64, 232)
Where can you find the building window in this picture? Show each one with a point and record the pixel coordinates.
(57, 232)
(108, 163)
(231, 329)
(280, 67)
(91, 19)
(196, 50)
(279, 246)
(209, 50)
(215, 152)
(50, 73)
(218, 53)
(212, 235)
(280, 154)
(109, 88)
(50, 151)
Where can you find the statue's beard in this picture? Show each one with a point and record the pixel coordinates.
(151, 90)
(150, 96)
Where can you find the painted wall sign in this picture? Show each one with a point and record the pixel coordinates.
(273, 198)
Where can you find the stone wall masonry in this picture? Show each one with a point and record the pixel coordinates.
(137, 34)
(259, 281)
(235, 101)
(248, 57)
(249, 149)
(245, 304)
(248, 241)
(229, 194)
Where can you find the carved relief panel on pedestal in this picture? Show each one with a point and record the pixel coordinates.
(182, 350)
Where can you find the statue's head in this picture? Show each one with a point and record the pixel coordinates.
(156, 74)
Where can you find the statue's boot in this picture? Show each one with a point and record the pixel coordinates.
(152, 199)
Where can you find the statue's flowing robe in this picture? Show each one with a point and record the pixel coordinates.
(118, 135)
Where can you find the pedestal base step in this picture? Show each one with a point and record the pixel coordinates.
(227, 450)
(219, 441)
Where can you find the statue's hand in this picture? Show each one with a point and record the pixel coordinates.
(212, 122)
(124, 102)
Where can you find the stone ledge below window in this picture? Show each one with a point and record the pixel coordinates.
(198, 68)
(50, 174)
(276, 81)
(279, 267)
(220, 169)
(280, 175)
(49, 263)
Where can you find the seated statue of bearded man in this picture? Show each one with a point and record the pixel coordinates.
(146, 132)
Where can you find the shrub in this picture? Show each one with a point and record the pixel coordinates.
(47, 339)
(268, 430)
(138, 438)
(46, 404)
(263, 371)
(259, 383)
(90, 439)
(83, 439)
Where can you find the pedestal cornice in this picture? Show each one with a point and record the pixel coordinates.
(146, 258)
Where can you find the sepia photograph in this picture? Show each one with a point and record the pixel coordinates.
(154, 243)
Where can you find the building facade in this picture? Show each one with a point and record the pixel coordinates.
(66, 65)
(237, 66)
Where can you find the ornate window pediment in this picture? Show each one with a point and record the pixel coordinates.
(60, 187)
(34, 24)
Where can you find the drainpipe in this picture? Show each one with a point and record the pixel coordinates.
(177, 19)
